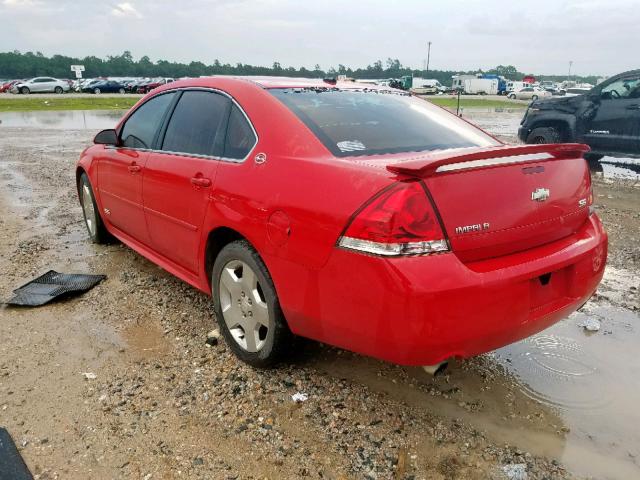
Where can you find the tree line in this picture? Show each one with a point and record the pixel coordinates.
(25, 65)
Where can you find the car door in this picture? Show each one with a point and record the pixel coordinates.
(121, 168)
(615, 127)
(36, 85)
(179, 178)
(525, 93)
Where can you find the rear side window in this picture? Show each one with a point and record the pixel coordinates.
(141, 127)
(370, 122)
(240, 137)
(195, 123)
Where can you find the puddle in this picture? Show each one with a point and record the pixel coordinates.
(65, 119)
(591, 380)
(145, 340)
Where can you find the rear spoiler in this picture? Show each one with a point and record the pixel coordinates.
(437, 162)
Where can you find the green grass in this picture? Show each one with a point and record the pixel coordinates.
(466, 102)
(15, 103)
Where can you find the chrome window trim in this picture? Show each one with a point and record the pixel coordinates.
(196, 155)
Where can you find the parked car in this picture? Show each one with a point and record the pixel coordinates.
(148, 86)
(6, 86)
(378, 223)
(40, 85)
(132, 87)
(529, 93)
(607, 118)
(104, 86)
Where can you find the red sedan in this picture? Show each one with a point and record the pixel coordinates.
(364, 218)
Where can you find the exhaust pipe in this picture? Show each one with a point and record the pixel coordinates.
(436, 369)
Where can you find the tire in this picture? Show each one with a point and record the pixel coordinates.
(92, 219)
(121, 91)
(534, 98)
(25, 91)
(58, 90)
(96, 91)
(544, 135)
(511, 96)
(248, 305)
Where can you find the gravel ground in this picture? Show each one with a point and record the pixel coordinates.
(165, 404)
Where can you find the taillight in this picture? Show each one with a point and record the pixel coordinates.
(399, 221)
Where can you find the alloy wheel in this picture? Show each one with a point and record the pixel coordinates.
(244, 306)
(88, 209)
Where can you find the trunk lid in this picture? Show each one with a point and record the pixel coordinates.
(502, 200)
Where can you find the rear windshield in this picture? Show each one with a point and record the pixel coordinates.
(370, 122)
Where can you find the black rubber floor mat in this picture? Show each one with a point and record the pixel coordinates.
(53, 285)
(12, 466)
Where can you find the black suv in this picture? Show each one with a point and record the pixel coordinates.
(607, 118)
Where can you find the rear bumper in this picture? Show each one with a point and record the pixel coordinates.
(422, 310)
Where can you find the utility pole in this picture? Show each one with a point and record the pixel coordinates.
(428, 56)
(570, 64)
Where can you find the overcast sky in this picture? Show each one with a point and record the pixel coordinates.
(541, 36)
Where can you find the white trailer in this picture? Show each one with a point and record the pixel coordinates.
(478, 86)
(458, 81)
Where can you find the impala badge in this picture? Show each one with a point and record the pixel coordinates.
(540, 194)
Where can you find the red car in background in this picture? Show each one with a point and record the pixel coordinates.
(5, 87)
(148, 86)
(357, 216)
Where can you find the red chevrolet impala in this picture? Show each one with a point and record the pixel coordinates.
(360, 217)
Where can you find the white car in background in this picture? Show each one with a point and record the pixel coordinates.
(529, 93)
(41, 85)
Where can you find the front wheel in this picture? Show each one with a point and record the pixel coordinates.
(534, 97)
(58, 90)
(121, 91)
(544, 135)
(25, 91)
(511, 96)
(246, 306)
(96, 91)
(95, 226)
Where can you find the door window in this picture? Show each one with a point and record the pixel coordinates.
(141, 127)
(195, 123)
(623, 88)
(240, 138)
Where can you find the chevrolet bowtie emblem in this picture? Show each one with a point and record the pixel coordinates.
(540, 194)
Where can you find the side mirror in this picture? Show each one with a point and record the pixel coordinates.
(106, 137)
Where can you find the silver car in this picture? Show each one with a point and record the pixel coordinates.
(529, 93)
(41, 85)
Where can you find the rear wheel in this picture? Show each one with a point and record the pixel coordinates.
(544, 135)
(25, 91)
(121, 91)
(58, 90)
(97, 231)
(246, 306)
(534, 97)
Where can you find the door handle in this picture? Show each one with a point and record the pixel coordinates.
(200, 182)
(133, 168)
(635, 106)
